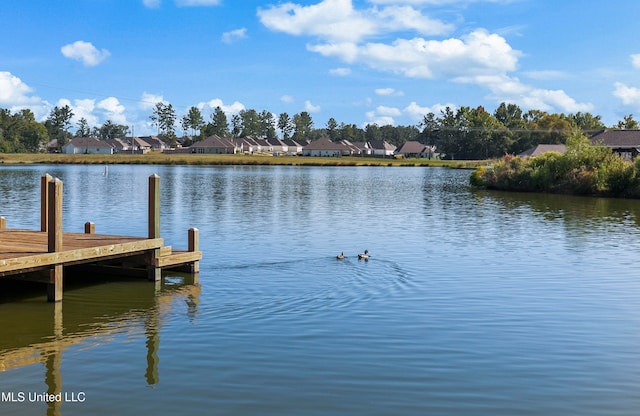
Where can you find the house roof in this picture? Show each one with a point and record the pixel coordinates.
(324, 143)
(214, 142)
(92, 142)
(412, 147)
(543, 148)
(381, 145)
(292, 143)
(617, 138)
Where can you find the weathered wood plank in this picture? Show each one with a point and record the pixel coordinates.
(178, 257)
(79, 255)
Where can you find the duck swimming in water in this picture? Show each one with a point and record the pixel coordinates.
(364, 256)
(340, 256)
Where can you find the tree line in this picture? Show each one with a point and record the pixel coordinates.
(462, 133)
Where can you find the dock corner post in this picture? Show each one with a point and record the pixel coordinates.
(154, 273)
(54, 221)
(194, 245)
(89, 227)
(44, 201)
(154, 206)
(3, 223)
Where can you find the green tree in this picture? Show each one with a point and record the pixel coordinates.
(303, 125)
(193, 121)
(58, 123)
(219, 123)
(627, 123)
(332, 129)
(83, 128)
(285, 124)
(267, 124)
(164, 118)
(110, 130)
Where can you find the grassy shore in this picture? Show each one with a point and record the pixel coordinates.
(157, 158)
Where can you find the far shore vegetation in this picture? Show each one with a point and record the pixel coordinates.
(585, 169)
(159, 158)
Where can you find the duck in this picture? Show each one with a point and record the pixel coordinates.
(340, 256)
(364, 256)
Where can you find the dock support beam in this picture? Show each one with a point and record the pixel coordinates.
(54, 230)
(154, 273)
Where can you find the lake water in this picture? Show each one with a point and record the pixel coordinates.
(472, 303)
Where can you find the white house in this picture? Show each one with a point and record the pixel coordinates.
(82, 145)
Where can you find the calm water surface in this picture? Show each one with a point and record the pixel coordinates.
(473, 302)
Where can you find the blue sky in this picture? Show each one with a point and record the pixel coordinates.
(358, 61)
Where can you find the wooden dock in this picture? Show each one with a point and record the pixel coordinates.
(45, 254)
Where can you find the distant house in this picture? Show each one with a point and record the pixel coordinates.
(626, 143)
(415, 149)
(119, 145)
(381, 148)
(363, 148)
(277, 145)
(154, 142)
(543, 148)
(82, 145)
(214, 144)
(325, 147)
(293, 147)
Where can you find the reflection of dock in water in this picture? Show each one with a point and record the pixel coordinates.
(44, 255)
(39, 333)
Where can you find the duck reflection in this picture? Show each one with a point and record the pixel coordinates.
(32, 331)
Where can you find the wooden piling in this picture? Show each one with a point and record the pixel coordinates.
(154, 206)
(194, 245)
(54, 230)
(89, 227)
(3, 223)
(154, 273)
(44, 201)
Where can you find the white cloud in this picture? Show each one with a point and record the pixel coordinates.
(635, 61)
(628, 95)
(148, 101)
(14, 92)
(287, 99)
(388, 92)
(338, 21)
(380, 120)
(308, 106)
(81, 108)
(340, 72)
(113, 110)
(234, 35)
(417, 112)
(85, 52)
(234, 108)
(477, 53)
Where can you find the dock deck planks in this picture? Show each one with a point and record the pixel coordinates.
(50, 250)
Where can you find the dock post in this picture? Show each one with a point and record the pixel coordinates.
(154, 206)
(154, 273)
(89, 227)
(194, 245)
(54, 229)
(44, 200)
(3, 223)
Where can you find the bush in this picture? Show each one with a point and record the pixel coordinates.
(585, 169)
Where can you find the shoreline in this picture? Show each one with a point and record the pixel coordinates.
(158, 158)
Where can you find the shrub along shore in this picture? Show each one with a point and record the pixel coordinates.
(158, 158)
(584, 169)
